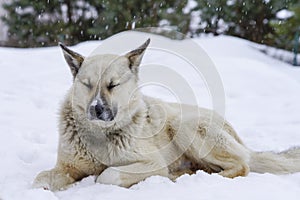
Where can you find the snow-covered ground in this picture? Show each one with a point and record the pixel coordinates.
(262, 103)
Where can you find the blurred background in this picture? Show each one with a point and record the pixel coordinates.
(36, 23)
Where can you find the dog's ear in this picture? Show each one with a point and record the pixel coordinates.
(135, 56)
(73, 59)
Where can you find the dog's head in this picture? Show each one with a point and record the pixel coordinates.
(105, 88)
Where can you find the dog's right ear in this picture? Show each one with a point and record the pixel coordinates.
(73, 59)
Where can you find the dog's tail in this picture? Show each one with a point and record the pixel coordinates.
(276, 163)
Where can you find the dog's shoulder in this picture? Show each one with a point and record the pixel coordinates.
(67, 123)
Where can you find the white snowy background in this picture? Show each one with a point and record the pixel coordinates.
(262, 103)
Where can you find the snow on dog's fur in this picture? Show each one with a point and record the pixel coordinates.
(109, 129)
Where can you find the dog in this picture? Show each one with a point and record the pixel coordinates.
(110, 130)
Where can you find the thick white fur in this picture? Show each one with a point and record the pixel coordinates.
(147, 137)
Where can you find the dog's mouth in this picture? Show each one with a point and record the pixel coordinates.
(99, 111)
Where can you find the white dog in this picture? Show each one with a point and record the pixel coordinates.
(109, 129)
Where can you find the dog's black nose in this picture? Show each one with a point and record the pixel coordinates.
(101, 112)
(98, 110)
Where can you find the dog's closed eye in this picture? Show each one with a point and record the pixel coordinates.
(86, 83)
(111, 85)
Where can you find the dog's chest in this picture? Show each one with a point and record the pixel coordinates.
(118, 139)
(111, 148)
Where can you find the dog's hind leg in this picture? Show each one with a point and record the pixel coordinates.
(231, 156)
(220, 153)
(129, 175)
(232, 165)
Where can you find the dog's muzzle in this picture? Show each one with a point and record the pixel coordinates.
(100, 111)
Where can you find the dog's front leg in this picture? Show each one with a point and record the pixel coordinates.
(126, 176)
(54, 179)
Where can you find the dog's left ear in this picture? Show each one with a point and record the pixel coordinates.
(73, 59)
(135, 56)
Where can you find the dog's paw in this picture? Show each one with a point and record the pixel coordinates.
(43, 180)
(109, 177)
(52, 180)
(43, 185)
